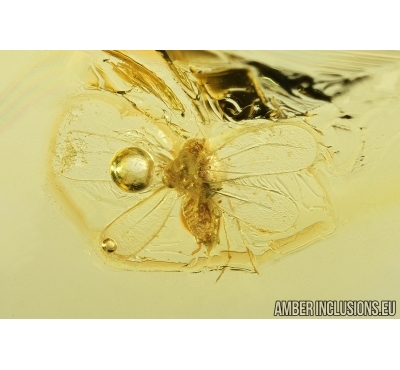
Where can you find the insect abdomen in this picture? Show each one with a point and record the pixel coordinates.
(202, 217)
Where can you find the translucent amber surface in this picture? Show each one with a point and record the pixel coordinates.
(223, 165)
(123, 173)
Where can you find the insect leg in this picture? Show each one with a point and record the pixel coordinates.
(249, 252)
(229, 251)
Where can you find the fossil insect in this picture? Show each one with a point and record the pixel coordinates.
(243, 193)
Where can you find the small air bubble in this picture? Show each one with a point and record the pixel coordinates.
(109, 245)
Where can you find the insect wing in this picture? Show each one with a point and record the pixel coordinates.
(86, 156)
(136, 228)
(263, 150)
(253, 164)
(262, 209)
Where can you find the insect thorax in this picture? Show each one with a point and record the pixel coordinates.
(189, 171)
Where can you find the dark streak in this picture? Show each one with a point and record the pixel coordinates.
(294, 82)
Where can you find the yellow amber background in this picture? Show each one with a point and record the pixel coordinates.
(47, 269)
